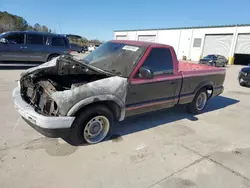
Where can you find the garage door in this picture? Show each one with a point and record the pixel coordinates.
(243, 44)
(147, 38)
(217, 44)
(121, 37)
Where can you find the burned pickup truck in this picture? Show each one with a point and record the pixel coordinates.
(82, 100)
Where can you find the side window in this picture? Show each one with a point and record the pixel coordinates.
(57, 41)
(15, 38)
(160, 61)
(34, 39)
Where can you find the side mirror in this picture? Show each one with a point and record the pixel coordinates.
(146, 73)
(3, 41)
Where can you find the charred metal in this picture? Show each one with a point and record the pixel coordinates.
(61, 74)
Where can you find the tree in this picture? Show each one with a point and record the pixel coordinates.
(10, 22)
(37, 27)
(44, 29)
(30, 28)
(21, 24)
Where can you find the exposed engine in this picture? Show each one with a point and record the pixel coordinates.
(38, 86)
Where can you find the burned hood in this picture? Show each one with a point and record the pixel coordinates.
(43, 66)
(63, 85)
(62, 65)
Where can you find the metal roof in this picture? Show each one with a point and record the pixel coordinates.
(195, 27)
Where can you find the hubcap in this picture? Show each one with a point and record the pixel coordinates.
(201, 101)
(96, 129)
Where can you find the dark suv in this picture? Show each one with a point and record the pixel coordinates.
(32, 46)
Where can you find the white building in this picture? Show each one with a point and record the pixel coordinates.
(232, 41)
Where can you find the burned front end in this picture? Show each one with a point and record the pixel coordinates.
(38, 94)
(38, 86)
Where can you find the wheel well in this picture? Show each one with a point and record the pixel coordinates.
(55, 54)
(209, 89)
(111, 105)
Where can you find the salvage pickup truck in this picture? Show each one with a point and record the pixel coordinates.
(81, 100)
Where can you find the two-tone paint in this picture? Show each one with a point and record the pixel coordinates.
(130, 95)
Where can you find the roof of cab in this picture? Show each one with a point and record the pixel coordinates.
(139, 43)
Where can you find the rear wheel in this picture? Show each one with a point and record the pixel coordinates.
(92, 125)
(199, 102)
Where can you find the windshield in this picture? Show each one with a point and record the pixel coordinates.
(210, 56)
(116, 58)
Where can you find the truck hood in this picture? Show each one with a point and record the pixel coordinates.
(68, 85)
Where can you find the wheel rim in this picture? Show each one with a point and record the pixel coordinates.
(201, 101)
(96, 129)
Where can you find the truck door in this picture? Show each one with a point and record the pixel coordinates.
(156, 93)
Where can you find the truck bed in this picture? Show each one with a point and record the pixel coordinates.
(194, 69)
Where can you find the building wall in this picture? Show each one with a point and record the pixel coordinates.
(182, 39)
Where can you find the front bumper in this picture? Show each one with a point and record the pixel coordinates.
(244, 78)
(46, 125)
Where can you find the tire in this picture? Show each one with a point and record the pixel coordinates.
(214, 64)
(241, 83)
(52, 57)
(82, 123)
(193, 107)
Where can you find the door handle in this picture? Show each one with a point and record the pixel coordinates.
(23, 47)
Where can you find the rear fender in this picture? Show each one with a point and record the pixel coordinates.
(95, 99)
(207, 84)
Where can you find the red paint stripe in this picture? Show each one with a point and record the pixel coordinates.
(157, 103)
(149, 104)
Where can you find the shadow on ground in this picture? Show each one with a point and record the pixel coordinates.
(154, 119)
(158, 118)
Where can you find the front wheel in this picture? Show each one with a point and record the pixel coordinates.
(199, 102)
(92, 125)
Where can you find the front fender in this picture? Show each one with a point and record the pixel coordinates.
(98, 98)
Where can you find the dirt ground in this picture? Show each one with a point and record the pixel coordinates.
(171, 149)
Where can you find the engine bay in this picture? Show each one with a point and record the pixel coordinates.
(37, 87)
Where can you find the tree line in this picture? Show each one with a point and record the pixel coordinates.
(11, 22)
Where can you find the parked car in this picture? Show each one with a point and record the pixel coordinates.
(78, 48)
(244, 76)
(214, 60)
(81, 100)
(91, 48)
(32, 46)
